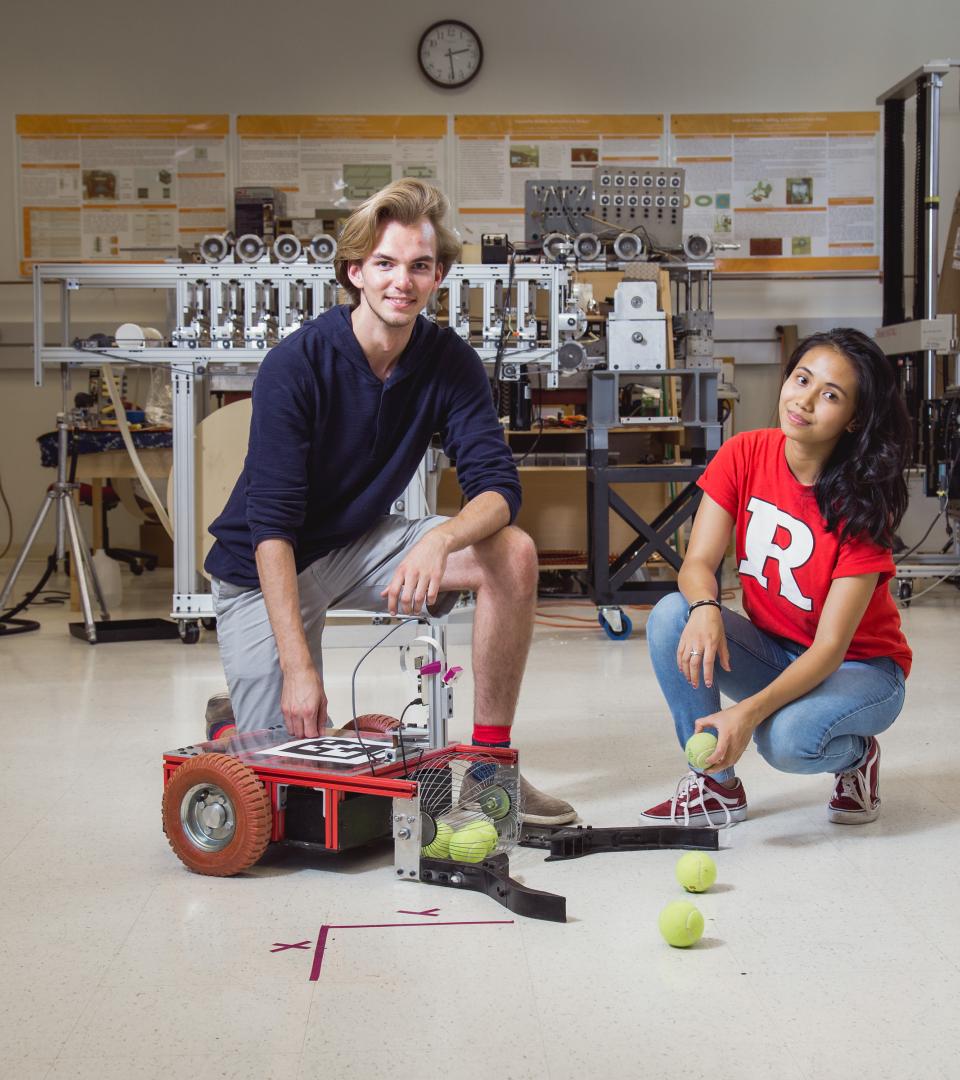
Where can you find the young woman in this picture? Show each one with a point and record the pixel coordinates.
(816, 669)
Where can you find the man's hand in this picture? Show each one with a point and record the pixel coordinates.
(734, 728)
(303, 703)
(417, 578)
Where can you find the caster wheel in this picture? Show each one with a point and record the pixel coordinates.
(905, 591)
(216, 815)
(208, 624)
(189, 632)
(626, 627)
(136, 569)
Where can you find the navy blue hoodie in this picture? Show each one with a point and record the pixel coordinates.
(331, 446)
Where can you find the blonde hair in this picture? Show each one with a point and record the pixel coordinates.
(407, 202)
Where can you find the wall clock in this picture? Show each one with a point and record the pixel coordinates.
(450, 53)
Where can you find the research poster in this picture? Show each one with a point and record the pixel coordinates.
(795, 191)
(324, 163)
(496, 155)
(122, 189)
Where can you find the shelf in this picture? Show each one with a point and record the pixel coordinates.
(621, 429)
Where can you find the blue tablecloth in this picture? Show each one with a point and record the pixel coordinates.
(94, 442)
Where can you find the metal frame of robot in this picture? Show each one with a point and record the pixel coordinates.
(933, 334)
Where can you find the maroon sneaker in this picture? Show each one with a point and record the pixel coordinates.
(856, 797)
(701, 800)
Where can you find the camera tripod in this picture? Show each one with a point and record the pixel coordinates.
(68, 522)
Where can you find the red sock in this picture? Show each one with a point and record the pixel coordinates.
(491, 735)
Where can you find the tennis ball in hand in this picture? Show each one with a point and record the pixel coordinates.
(473, 842)
(699, 747)
(696, 871)
(439, 846)
(681, 924)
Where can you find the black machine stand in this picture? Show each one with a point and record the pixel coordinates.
(611, 584)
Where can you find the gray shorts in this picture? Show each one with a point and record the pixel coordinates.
(351, 578)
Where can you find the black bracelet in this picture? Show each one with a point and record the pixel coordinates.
(702, 603)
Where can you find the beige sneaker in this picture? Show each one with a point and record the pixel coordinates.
(538, 808)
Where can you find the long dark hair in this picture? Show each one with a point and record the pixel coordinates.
(861, 489)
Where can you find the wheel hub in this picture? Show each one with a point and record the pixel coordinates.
(207, 816)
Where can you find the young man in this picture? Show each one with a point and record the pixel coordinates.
(343, 412)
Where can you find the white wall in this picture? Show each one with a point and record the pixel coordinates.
(320, 57)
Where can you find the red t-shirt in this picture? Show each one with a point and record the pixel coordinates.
(786, 558)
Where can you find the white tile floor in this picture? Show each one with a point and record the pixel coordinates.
(829, 951)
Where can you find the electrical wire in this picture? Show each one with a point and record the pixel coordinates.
(9, 624)
(6, 506)
(944, 502)
(171, 366)
(402, 619)
(120, 412)
(502, 342)
(403, 750)
(953, 572)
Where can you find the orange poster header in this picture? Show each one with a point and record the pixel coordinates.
(126, 126)
(343, 127)
(586, 126)
(825, 123)
(798, 264)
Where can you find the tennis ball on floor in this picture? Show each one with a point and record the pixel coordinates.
(473, 842)
(699, 747)
(681, 924)
(439, 846)
(696, 871)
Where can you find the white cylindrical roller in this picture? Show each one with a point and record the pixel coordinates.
(555, 245)
(587, 246)
(130, 336)
(572, 320)
(628, 246)
(250, 248)
(323, 248)
(571, 357)
(287, 248)
(215, 247)
(697, 246)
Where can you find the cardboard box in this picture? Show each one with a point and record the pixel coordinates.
(948, 295)
(154, 541)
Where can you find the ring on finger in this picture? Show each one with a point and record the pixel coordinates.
(694, 652)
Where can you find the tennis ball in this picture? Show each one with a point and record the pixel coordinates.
(681, 924)
(439, 846)
(696, 871)
(473, 842)
(699, 747)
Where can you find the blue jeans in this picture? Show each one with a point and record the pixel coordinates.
(826, 730)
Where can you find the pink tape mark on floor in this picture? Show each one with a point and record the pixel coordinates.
(325, 930)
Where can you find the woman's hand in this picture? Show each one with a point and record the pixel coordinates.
(702, 642)
(734, 728)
